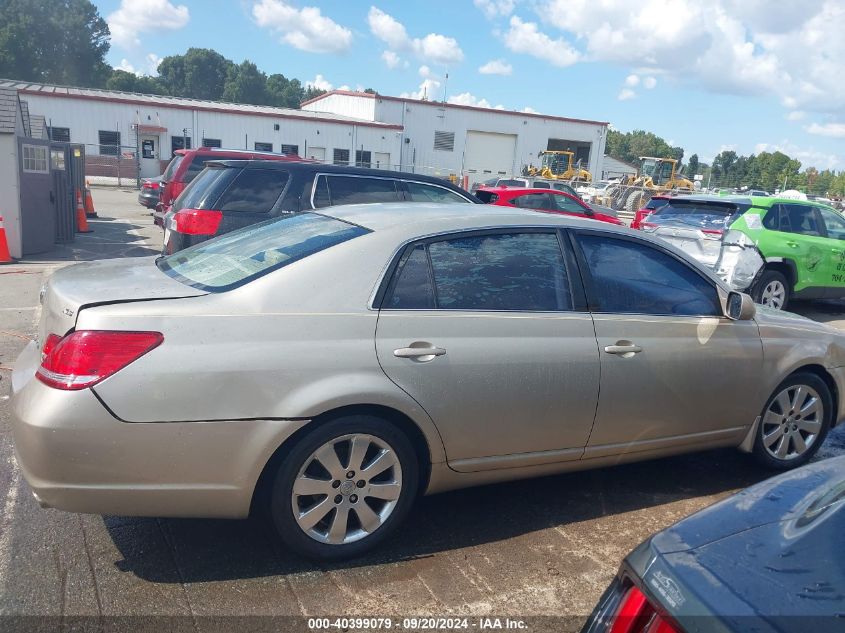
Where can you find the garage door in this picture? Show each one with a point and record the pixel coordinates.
(488, 155)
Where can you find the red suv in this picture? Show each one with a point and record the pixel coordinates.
(187, 163)
(548, 200)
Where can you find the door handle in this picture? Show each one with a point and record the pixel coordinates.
(792, 244)
(426, 353)
(625, 349)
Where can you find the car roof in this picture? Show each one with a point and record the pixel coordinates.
(425, 217)
(313, 166)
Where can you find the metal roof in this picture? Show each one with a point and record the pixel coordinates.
(96, 94)
(457, 106)
(8, 110)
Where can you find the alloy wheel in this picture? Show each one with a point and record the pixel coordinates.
(792, 422)
(347, 489)
(773, 295)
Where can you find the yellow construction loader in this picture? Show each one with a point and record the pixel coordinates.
(559, 165)
(655, 175)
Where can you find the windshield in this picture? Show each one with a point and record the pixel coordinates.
(709, 217)
(241, 256)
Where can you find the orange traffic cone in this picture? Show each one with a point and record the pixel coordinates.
(89, 202)
(81, 222)
(5, 257)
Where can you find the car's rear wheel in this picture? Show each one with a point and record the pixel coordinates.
(772, 290)
(794, 422)
(344, 487)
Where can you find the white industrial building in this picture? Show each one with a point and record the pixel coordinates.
(459, 139)
(124, 133)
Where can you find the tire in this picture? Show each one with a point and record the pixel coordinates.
(371, 513)
(777, 444)
(772, 289)
(635, 201)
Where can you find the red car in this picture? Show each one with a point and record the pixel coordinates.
(187, 163)
(547, 200)
(655, 203)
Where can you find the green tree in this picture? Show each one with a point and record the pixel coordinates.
(246, 84)
(630, 146)
(693, 166)
(200, 73)
(128, 82)
(53, 41)
(284, 92)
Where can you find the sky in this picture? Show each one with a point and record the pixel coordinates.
(708, 76)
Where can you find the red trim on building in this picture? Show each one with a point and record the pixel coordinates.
(441, 104)
(203, 108)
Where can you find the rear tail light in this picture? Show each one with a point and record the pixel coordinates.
(150, 185)
(51, 342)
(197, 221)
(636, 615)
(86, 357)
(712, 234)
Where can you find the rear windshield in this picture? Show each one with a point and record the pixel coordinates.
(713, 217)
(171, 168)
(204, 191)
(511, 183)
(241, 256)
(656, 203)
(487, 197)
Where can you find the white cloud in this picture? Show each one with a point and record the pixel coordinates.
(391, 59)
(495, 8)
(135, 17)
(809, 156)
(649, 83)
(428, 90)
(796, 115)
(526, 37)
(626, 94)
(433, 48)
(529, 110)
(424, 71)
(468, 99)
(742, 47)
(306, 29)
(321, 83)
(127, 67)
(632, 81)
(153, 62)
(496, 67)
(831, 130)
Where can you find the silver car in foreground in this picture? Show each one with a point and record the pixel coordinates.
(335, 365)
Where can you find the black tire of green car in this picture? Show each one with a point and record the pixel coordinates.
(769, 277)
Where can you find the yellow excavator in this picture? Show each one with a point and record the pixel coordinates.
(559, 165)
(655, 175)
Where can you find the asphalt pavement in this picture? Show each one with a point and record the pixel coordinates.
(543, 547)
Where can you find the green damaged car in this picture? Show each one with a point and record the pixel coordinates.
(775, 249)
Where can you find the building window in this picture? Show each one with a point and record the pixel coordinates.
(109, 143)
(362, 158)
(444, 141)
(57, 158)
(263, 147)
(341, 157)
(61, 134)
(34, 159)
(180, 142)
(290, 149)
(211, 142)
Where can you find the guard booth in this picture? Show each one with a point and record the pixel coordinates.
(49, 173)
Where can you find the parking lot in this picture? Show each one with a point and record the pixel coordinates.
(545, 547)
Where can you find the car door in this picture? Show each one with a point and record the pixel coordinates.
(674, 370)
(834, 262)
(800, 238)
(488, 332)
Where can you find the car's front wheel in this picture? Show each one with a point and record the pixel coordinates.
(794, 423)
(344, 487)
(772, 290)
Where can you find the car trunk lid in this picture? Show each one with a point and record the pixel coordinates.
(103, 282)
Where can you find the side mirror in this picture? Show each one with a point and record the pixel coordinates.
(740, 307)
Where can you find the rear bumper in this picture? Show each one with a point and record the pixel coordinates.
(78, 457)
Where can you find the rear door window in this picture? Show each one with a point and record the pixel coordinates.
(356, 189)
(421, 192)
(254, 191)
(802, 219)
(568, 205)
(412, 287)
(172, 166)
(534, 201)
